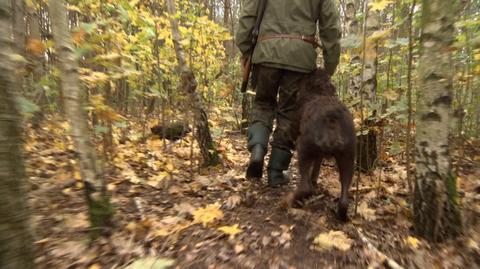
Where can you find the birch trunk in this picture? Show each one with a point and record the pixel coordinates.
(16, 243)
(353, 33)
(189, 86)
(364, 84)
(435, 208)
(98, 202)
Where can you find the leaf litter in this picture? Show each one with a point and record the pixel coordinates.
(226, 221)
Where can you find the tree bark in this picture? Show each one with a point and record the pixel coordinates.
(435, 208)
(364, 84)
(16, 242)
(98, 202)
(19, 25)
(409, 95)
(353, 32)
(189, 86)
(228, 44)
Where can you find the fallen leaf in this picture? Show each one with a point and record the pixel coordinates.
(239, 249)
(333, 239)
(95, 266)
(412, 242)
(169, 167)
(184, 208)
(151, 263)
(230, 230)
(366, 212)
(131, 176)
(473, 245)
(285, 237)
(70, 249)
(233, 201)
(78, 221)
(175, 190)
(208, 214)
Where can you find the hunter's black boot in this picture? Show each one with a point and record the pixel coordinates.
(279, 162)
(255, 166)
(258, 135)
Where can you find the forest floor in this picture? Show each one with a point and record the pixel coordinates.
(215, 218)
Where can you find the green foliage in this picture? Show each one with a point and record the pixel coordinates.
(27, 107)
(101, 212)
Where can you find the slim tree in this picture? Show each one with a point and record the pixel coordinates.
(98, 202)
(189, 87)
(16, 243)
(436, 213)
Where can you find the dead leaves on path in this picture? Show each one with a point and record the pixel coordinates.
(151, 263)
(230, 230)
(332, 239)
(207, 215)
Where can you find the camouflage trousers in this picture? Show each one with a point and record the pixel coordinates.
(276, 92)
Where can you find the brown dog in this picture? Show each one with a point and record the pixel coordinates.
(323, 128)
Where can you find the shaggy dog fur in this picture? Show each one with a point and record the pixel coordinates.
(323, 128)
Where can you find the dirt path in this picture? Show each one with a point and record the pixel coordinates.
(156, 216)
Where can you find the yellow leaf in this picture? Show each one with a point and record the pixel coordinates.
(208, 214)
(377, 35)
(390, 94)
(379, 5)
(333, 239)
(95, 266)
(35, 46)
(67, 191)
(77, 175)
(412, 242)
(109, 57)
(30, 3)
(366, 212)
(169, 167)
(71, 7)
(230, 230)
(17, 58)
(79, 36)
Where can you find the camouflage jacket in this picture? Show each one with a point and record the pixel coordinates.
(291, 17)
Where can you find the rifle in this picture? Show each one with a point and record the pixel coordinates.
(247, 63)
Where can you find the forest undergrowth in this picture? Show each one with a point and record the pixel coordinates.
(171, 212)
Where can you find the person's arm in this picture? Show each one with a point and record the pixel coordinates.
(330, 34)
(246, 23)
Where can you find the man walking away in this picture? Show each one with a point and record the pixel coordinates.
(284, 53)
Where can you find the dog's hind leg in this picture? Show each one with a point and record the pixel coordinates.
(315, 172)
(345, 165)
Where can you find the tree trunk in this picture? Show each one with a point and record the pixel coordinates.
(36, 62)
(228, 44)
(19, 29)
(435, 208)
(98, 202)
(367, 152)
(409, 95)
(19, 25)
(16, 243)
(189, 86)
(353, 30)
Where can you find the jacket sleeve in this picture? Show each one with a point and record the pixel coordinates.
(330, 34)
(246, 23)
